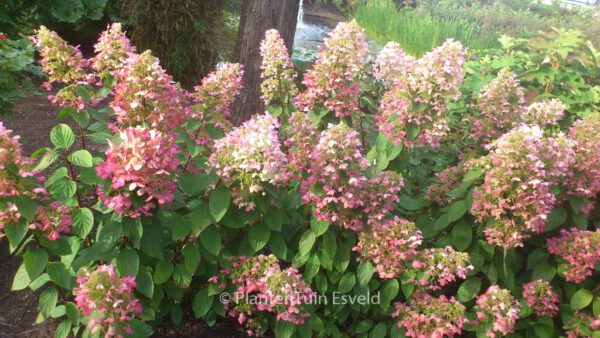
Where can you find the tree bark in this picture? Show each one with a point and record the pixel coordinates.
(257, 17)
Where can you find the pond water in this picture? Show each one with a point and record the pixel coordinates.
(310, 32)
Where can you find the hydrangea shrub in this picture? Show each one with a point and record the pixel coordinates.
(440, 196)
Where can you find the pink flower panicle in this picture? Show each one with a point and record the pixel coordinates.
(146, 95)
(579, 250)
(140, 171)
(516, 191)
(333, 80)
(498, 308)
(586, 179)
(583, 325)
(17, 177)
(441, 266)
(448, 180)
(544, 113)
(112, 49)
(541, 298)
(216, 94)
(250, 155)
(389, 245)
(393, 65)
(54, 220)
(269, 288)
(428, 316)
(337, 186)
(302, 137)
(501, 106)
(278, 73)
(63, 64)
(107, 301)
(438, 75)
(413, 110)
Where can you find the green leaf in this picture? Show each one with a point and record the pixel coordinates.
(191, 257)
(306, 242)
(342, 257)
(63, 329)
(211, 240)
(581, 299)
(48, 299)
(202, 303)
(83, 222)
(312, 267)
(462, 235)
(274, 218)
(21, 280)
(145, 284)
(152, 241)
(543, 271)
(457, 210)
(164, 270)
(181, 276)
(128, 262)
(278, 246)
(347, 282)
(318, 227)
(364, 326)
(192, 184)
(60, 275)
(35, 260)
(258, 236)
(49, 157)
(81, 158)
(283, 329)
(468, 289)
(27, 207)
(62, 136)
(556, 218)
(596, 306)
(379, 331)
(389, 291)
(365, 272)
(218, 202)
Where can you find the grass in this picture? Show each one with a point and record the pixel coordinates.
(417, 31)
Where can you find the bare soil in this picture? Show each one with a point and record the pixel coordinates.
(33, 119)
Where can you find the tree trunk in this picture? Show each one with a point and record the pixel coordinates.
(257, 17)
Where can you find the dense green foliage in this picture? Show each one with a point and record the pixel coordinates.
(419, 31)
(16, 67)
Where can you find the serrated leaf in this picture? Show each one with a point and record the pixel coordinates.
(218, 202)
(81, 158)
(365, 273)
(211, 240)
(144, 283)
(318, 227)
(462, 235)
(48, 299)
(83, 222)
(35, 260)
(163, 271)
(274, 218)
(202, 303)
(21, 280)
(191, 257)
(60, 275)
(307, 241)
(468, 289)
(347, 282)
(62, 136)
(258, 236)
(581, 299)
(128, 262)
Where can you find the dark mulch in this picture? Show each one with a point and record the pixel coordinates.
(33, 119)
